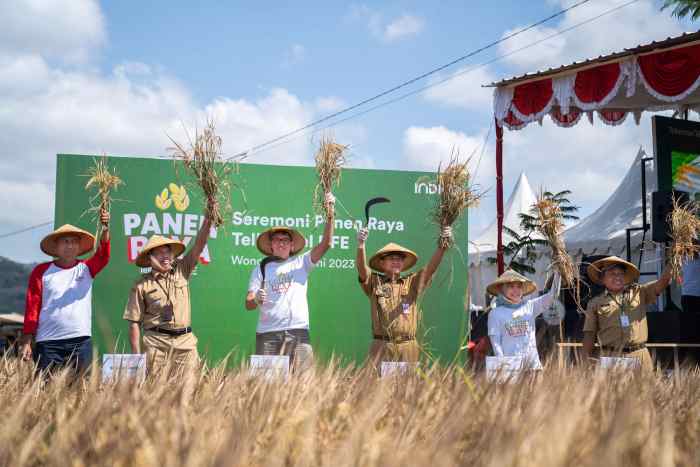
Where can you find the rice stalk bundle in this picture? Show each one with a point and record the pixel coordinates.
(330, 159)
(550, 223)
(685, 227)
(104, 182)
(455, 194)
(204, 161)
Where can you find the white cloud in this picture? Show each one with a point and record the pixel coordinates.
(402, 27)
(329, 104)
(69, 30)
(637, 23)
(296, 54)
(463, 90)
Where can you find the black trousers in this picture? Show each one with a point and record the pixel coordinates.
(690, 302)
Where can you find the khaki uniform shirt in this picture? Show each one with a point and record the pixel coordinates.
(162, 299)
(395, 312)
(605, 315)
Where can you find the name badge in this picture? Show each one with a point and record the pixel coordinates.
(624, 321)
(406, 308)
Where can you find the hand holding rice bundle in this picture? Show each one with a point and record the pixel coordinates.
(330, 158)
(105, 182)
(455, 195)
(204, 161)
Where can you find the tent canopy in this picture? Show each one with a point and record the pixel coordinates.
(657, 76)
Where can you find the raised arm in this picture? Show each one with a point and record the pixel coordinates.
(541, 303)
(199, 242)
(436, 259)
(663, 281)
(361, 258)
(319, 250)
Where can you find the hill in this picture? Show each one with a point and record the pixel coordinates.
(13, 284)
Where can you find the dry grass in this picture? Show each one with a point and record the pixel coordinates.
(550, 223)
(204, 160)
(346, 417)
(330, 159)
(104, 182)
(685, 227)
(455, 194)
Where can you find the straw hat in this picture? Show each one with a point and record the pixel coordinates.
(48, 244)
(596, 269)
(375, 262)
(264, 242)
(176, 246)
(509, 277)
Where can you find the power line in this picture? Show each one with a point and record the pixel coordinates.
(26, 229)
(411, 81)
(453, 76)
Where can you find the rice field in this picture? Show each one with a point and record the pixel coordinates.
(334, 416)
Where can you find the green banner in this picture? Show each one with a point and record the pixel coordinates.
(158, 198)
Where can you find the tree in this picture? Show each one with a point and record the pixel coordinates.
(683, 8)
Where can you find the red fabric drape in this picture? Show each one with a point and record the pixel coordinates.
(612, 117)
(512, 122)
(568, 120)
(594, 85)
(531, 98)
(671, 73)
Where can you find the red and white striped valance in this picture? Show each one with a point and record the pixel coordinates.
(661, 80)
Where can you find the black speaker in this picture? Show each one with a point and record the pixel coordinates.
(661, 207)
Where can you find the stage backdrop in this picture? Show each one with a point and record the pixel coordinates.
(159, 199)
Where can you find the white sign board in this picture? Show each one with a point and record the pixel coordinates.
(396, 368)
(619, 363)
(116, 366)
(503, 368)
(270, 366)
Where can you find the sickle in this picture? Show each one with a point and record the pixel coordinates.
(263, 263)
(371, 203)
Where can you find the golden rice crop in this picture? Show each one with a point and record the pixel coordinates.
(330, 159)
(455, 194)
(335, 416)
(204, 160)
(104, 182)
(685, 227)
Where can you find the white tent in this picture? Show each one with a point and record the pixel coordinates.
(602, 232)
(520, 201)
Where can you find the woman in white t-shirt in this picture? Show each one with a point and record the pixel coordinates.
(511, 323)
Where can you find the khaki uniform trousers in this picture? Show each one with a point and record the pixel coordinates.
(161, 348)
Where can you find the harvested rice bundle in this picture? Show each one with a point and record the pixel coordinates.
(456, 195)
(685, 227)
(204, 161)
(330, 158)
(549, 221)
(104, 182)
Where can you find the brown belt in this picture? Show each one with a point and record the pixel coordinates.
(626, 349)
(395, 339)
(171, 332)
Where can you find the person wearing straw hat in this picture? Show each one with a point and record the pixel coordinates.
(159, 301)
(394, 298)
(511, 323)
(617, 316)
(283, 323)
(58, 313)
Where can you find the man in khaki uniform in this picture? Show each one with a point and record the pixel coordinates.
(394, 299)
(160, 301)
(618, 315)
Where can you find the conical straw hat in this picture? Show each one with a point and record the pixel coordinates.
(48, 243)
(264, 242)
(375, 262)
(154, 242)
(596, 269)
(509, 277)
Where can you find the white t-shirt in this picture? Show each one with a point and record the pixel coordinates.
(286, 283)
(512, 330)
(691, 278)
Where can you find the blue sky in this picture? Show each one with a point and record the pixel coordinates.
(88, 77)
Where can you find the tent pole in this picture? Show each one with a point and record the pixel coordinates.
(499, 195)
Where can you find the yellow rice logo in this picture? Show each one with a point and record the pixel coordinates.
(173, 194)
